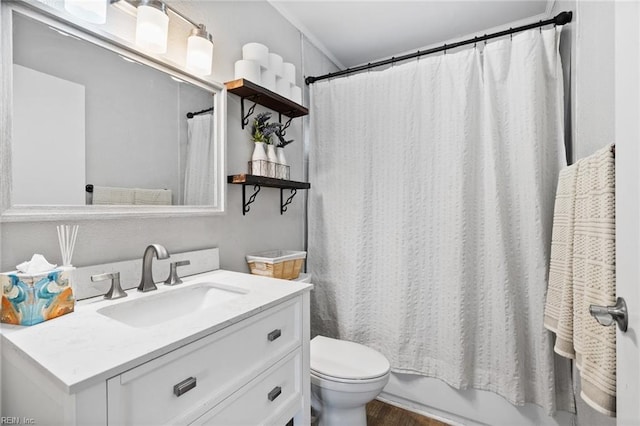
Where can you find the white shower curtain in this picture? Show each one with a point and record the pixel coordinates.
(430, 214)
(200, 171)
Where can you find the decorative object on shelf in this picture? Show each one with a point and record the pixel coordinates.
(282, 172)
(272, 157)
(261, 132)
(259, 164)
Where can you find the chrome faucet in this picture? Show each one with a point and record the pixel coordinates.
(146, 282)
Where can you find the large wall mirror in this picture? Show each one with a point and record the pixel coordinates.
(98, 130)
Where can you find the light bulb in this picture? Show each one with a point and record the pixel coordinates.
(152, 26)
(199, 51)
(94, 11)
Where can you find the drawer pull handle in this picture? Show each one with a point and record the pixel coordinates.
(184, 386)
(274, 393)
(274, 334)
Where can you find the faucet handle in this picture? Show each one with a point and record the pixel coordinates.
(116, 291)
(173, 277)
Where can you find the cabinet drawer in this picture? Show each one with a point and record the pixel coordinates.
(272, 398)
(182, 385)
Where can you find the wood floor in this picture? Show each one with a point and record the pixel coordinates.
(381, 414)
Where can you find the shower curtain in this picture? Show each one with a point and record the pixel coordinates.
(430, 215)
(200, 171)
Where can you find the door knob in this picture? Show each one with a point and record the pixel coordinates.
(606, 315)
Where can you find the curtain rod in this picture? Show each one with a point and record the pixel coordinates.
(204, 111)
(560, 19)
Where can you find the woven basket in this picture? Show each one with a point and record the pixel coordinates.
(277, 264)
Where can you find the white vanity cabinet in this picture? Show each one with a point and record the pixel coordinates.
(185, 384)
(243, 362)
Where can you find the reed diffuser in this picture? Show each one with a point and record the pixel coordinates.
(67, 238)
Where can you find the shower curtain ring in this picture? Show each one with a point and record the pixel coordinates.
(511, 34)
(540, 27)
(485, 39)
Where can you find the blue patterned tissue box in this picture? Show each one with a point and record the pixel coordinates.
(31, 299)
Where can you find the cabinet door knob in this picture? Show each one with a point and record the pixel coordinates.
(274, 334)
(184, 386)
(275, 392)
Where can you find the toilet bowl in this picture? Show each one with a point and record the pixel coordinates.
(345, 376)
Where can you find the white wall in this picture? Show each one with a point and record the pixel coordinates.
(232, 23)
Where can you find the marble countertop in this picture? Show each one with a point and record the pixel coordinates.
(83, 348)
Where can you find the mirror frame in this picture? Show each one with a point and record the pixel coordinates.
(59, 19)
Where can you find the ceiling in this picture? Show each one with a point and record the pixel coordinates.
(357, 32)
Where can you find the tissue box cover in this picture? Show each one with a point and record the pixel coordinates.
(31, 299)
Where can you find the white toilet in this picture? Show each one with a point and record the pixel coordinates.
(345, 376)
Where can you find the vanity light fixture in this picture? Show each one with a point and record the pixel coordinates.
(94, 11)
(152, 26)
(199, 51)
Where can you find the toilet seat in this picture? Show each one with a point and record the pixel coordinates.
(346, 362)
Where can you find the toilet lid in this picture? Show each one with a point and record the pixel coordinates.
(346, 360)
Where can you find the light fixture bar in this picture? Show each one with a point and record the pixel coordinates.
(136, 3)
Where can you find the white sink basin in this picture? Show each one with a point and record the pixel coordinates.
(155, 309)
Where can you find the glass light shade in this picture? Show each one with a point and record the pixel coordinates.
(94, 11)
(199, 55)
(152, 28)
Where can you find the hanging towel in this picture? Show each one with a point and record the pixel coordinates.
(558, 315)
(582, 273)
(112, 195)
(152, 196)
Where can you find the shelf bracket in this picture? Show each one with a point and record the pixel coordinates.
(283, 205)
(252, 198)
(283, 129)
(245, 117)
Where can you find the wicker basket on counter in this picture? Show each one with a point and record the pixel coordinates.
(285, 264)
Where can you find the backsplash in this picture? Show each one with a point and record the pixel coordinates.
(130, 271)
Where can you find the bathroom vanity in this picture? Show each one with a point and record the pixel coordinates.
(222, 348)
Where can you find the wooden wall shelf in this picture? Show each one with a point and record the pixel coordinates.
(265, 97)
(259, 181)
